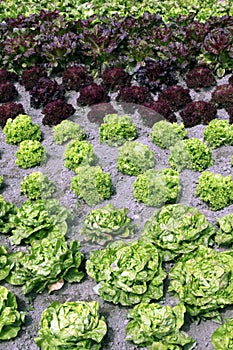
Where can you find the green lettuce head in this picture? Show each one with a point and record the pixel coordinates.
(72, 325)
(203, 281)
(127, 273)
(158, 327)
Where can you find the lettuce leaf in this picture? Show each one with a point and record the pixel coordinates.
(10, 318)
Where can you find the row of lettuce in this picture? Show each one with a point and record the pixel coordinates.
(73, 9)
(153, 90)
(129, 274)
(51, 40)
(152, 187)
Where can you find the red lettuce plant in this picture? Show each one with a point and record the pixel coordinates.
(5, 76)
(115, 78)
(134, 94)
(197, 112)
(76, 77)
(157, 75)
(57, 111)
(98, 112)
(199, 77)
(92, 94)
(10, 110)
(222, 96)
(8, 92)
(45, 91)
(154, 111)
(30, 77)
(176, 96)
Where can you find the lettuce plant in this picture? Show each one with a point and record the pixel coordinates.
(92, 94)
(11, 318)
(76, 77)
(216, 190)
(21, 128)
(35, 220)
(192, 154)
(116, 130)
(8, 92)
(104, 224)
(37, 186)
(134, 94)
(176, 96)
(222, 96)
(218, 133)
(127, 273)
(46, 262)
(6, 75)
(115, 78)
(177, 229)
(7, 210)
(135, 158)
(158, 326)
(67, 130)
(91, 184)
(79, 153)
(198, 112)
(203, 281)
(224, 235)
(30, 77)
(165, 134)
(56, 111)
(157, 75)
(30, 154)
(157, 187)
(46, 90)
(79, 325)
(200, 77)
(10, 110)
(222, 337)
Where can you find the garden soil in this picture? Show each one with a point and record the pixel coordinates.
(116, 316)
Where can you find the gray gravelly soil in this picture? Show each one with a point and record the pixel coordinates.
(123, 197)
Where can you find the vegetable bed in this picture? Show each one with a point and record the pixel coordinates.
(116, 220)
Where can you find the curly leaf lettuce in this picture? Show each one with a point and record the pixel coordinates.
(203, 281)
(214, 189)
(71, 325)
(37, 185)
(135, 158)
(127, 273)
(177, 229)
(102, 224)
(10, 318)
(166, 134)
(158, 326)
(116, 130)
(92, 184)
(157, 187)
(46, 262)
